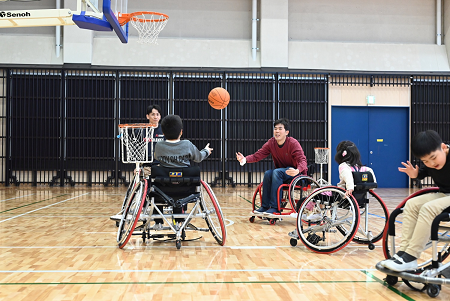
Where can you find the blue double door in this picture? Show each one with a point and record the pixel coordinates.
(382, 137)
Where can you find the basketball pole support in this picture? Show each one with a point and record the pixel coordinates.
(322, 181)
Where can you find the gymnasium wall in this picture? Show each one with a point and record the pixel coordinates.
(397, 35)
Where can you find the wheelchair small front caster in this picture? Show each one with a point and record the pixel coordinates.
(117, 223)
(272, 221)
(178, 244)
(293, 242)
(252, 219)
(433, 290)
(371, 246)
(391, 280)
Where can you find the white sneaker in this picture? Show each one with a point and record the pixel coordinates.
(383, 262)
(399, 265)
(293, 214)
(116, 217)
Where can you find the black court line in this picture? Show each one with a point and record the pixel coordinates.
(58, 196)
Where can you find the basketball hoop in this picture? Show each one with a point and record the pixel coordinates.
(134, 139)
(321, 157)
(148, 24)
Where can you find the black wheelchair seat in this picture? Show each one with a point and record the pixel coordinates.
(175, 186)
(363, 183)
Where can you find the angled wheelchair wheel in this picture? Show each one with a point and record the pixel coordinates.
(374, 217)
(127, 195)
(131, 213)
(300, 188)
(257, 197)
(214, 216)
(327, 220)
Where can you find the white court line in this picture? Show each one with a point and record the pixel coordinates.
(5, 220)
(169, 246)
(253, 247)
(187, 271)
(62, 215)
(17, 197)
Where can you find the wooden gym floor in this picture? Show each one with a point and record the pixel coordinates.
(59, 244)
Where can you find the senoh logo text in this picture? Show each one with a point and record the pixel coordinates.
(14, 15)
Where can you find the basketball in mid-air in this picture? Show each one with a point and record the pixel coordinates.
(218, 98)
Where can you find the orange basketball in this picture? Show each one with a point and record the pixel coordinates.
(218, 98)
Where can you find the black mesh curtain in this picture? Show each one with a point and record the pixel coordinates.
(430, 108)
(3, 122)
(62, 124)
(89, 126)
(35, 125)
(201, 123)
(250, 117)
(303, 100)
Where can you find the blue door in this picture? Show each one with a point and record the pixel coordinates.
(381, 135)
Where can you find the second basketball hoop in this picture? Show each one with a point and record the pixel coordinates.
(321, 157)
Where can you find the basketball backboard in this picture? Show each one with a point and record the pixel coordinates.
(86, 16)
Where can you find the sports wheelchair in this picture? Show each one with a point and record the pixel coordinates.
(292, 193)
(431, 272)
(161, 205)
(164, 197)
(328, 220)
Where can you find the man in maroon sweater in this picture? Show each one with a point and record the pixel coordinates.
(289, 160)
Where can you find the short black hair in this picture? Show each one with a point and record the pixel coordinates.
(171, 126)
(151, 107)
(346, 151)
(425, 142)
(284, 121)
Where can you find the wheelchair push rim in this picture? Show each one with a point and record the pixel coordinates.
(299, 189)
(214, 216)
(131, 214)
(335, 224)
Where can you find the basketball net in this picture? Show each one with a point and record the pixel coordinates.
(321, 157)
(135, 139)
(148, 25)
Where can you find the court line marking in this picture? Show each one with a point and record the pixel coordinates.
(17, 197)
(184, 271)
(5, 220)
(192, 282)
(166, 246)
(58, 196)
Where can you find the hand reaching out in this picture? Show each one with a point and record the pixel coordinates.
(239, 156)
(409, 169)
(208, 148)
